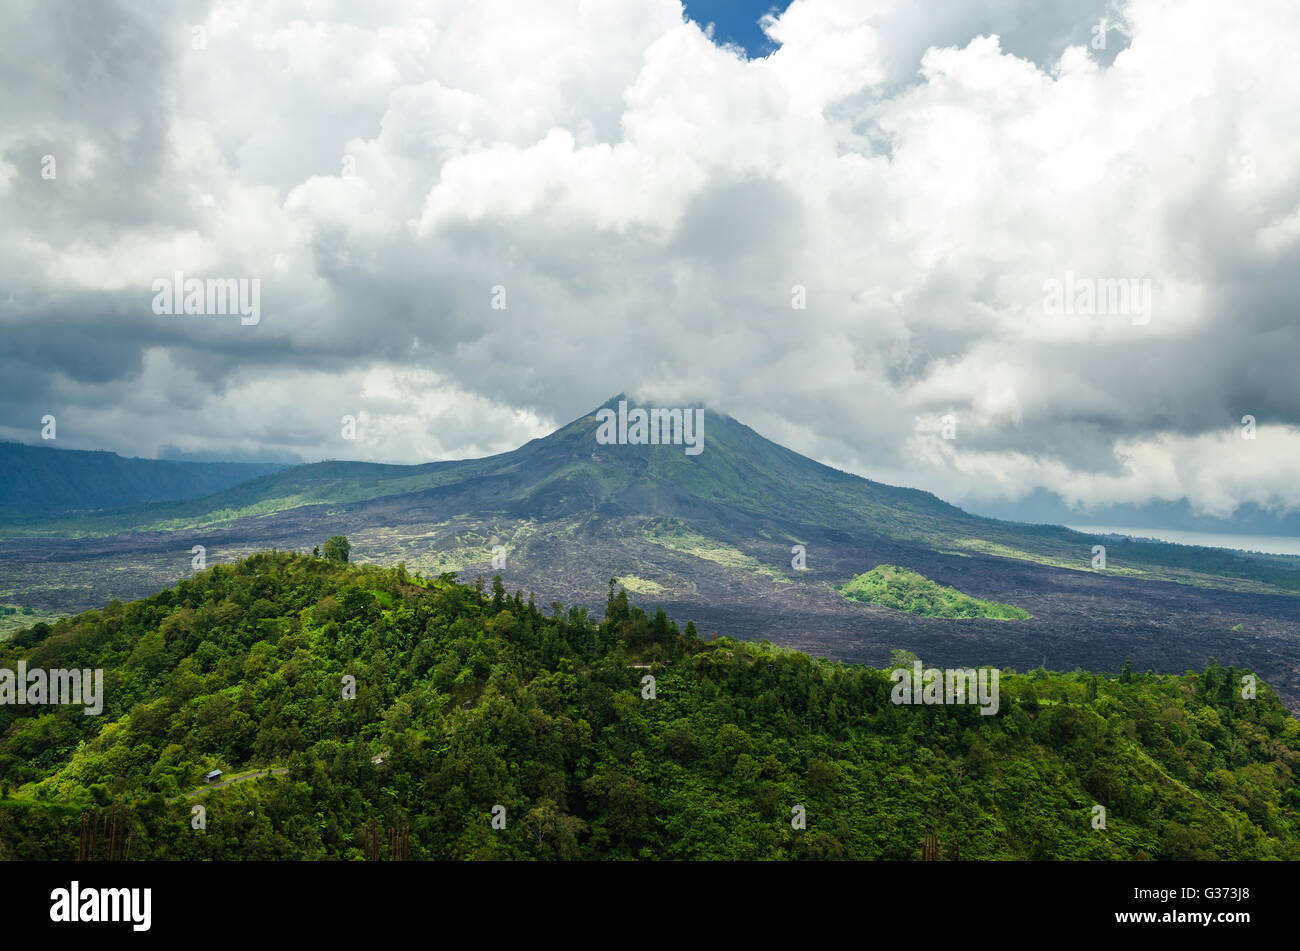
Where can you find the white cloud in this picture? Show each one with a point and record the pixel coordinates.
(648, 200)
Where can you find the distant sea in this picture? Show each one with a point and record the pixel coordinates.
(1273, 544)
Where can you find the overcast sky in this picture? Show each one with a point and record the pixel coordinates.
(648, 198)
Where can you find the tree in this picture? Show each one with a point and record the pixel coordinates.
(899, 658)
(337, 549)
(618, 608)
(557, 833)
(1126, 675)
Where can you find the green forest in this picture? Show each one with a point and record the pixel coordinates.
(468, 698)
(905, 590)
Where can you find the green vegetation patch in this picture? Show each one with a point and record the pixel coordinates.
(904, 590)
(641, 585)
(675, 536)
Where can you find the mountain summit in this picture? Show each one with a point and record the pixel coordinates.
(572, 471)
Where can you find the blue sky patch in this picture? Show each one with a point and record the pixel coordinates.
(736, 21)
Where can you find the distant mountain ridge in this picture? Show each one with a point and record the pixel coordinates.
(46, 480)
(1043, 506)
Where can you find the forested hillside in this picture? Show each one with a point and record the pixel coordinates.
(468, 699)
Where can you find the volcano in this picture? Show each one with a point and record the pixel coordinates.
(744, 537)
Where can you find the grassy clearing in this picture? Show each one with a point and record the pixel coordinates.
(642, 586)
(671, 534)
